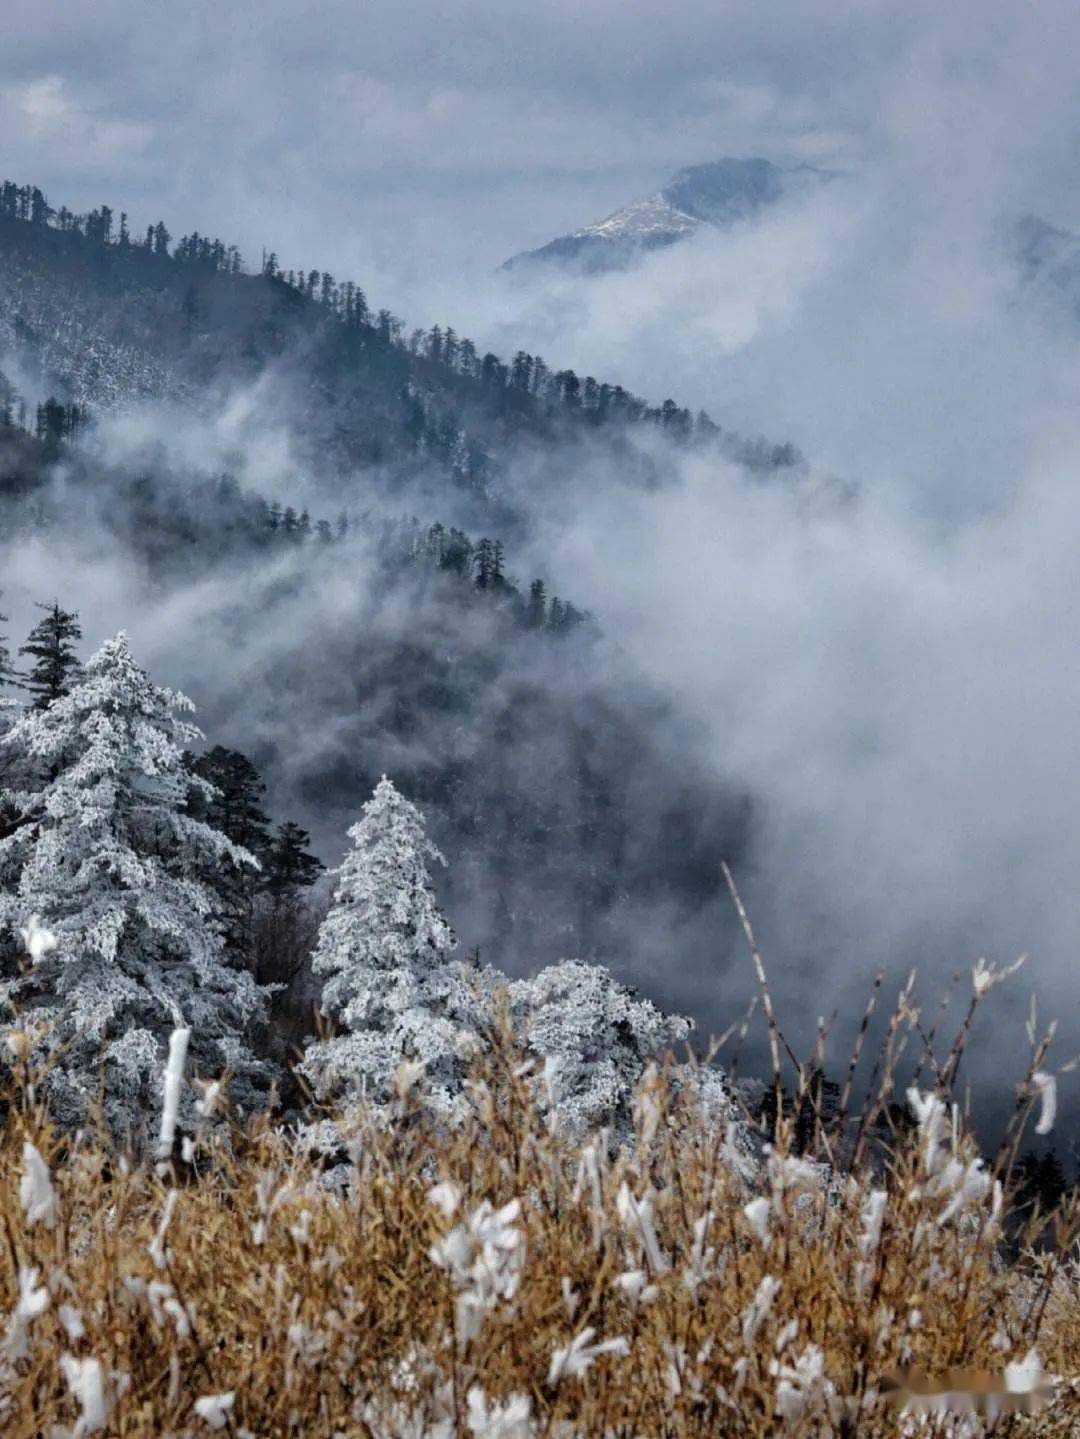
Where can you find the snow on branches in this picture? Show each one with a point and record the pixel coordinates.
(390, 982)
(104, 850)
(401, 999)
(593, 1038)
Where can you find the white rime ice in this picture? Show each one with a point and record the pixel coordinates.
(484, 1256)
(215, 1408)
(510, 1418)
(384, 951)
(754, 1314)
(1046, 1088)
(87, 1384)
(174, 1078)
(594, 1037)
(36, 1193)
(37, 942)
(106, 855)
(581, 1353)
(32, 1303)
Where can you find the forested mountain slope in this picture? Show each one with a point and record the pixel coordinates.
(366, 616)
(99, 319)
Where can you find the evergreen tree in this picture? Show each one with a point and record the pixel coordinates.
(40, 213)
(189, 310)
(109, 859)
(521, 368)
(288, 864)
(563, 616)
(232, 800)
(54, 424)
(536, 615)
(815, 1113)
(1040, 1179)
(8, 709)
(570, 387)
(285, 923)
(52, 645)
(231, 803)
(484, 562)
(384, 951)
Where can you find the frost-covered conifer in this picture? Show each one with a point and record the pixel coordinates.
(108, 859)
(385, 951)
(594, 1037)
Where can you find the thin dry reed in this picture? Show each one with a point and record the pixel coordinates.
(503, 1280)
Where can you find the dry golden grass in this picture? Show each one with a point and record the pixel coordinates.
(326, 1313)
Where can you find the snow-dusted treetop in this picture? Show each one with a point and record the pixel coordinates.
(385, 949)
(106, 856)
(384, 914)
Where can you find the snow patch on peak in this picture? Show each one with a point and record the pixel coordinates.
(653, 216)
(709, 196)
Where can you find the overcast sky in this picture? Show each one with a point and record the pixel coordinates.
(412, 132)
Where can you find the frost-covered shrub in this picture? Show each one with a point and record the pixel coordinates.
(106, 855)
(592, 1037)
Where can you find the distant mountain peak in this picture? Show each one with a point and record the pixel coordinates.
(714, 195)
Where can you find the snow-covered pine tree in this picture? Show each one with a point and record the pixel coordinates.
(594, 1037)
(390, 982)
(107, 858)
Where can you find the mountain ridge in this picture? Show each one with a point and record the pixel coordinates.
(103, 318)
(714, 195)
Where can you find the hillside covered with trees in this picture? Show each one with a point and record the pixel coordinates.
(565, 788)
(104, 316)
